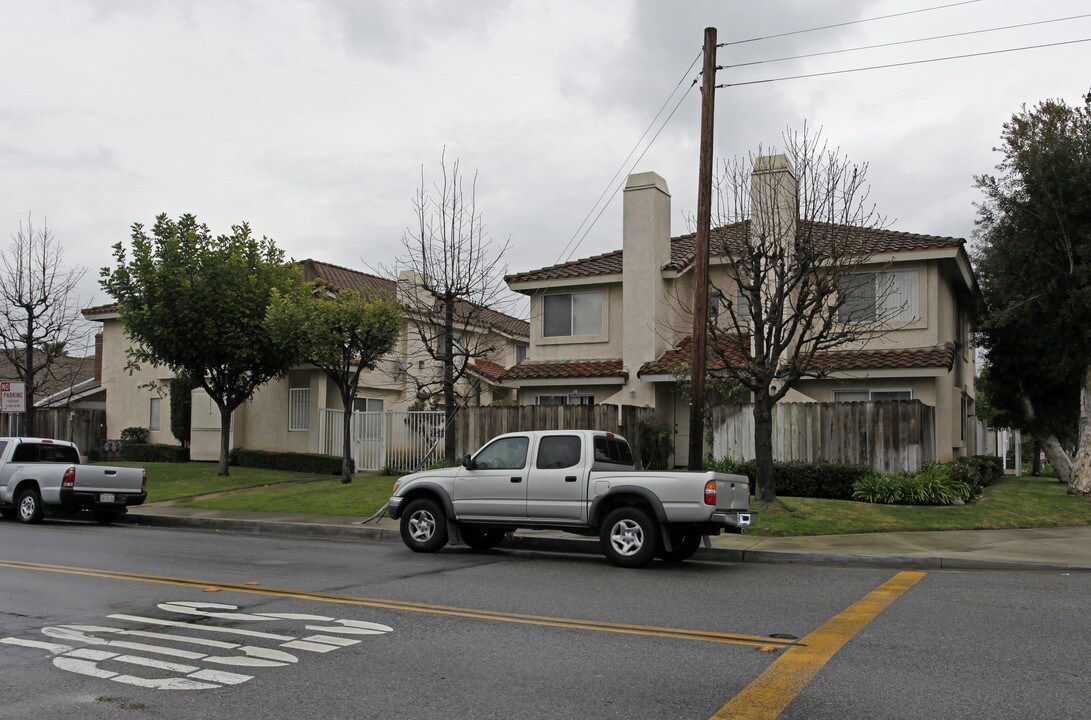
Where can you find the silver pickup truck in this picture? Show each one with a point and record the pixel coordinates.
(39, 475)
(579, 481)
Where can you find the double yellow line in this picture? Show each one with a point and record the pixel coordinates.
(622, 628)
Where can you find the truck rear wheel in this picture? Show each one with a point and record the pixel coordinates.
(424, 526)
(104, 517)
(29, 506)
(629, 538)
(683, 544)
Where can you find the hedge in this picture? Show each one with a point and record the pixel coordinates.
(154, 452)
(290, 461)
(830, 481)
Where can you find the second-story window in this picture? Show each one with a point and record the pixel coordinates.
(572, 314)
(521, 353)
(879, 297)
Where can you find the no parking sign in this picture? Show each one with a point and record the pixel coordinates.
(13, 397)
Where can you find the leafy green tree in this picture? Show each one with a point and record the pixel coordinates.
(1034, 266)
(196, 304)
(343, 335)
(181, 409)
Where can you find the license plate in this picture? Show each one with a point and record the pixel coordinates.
(106, 497)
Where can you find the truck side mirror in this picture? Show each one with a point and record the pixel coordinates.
(468, 463)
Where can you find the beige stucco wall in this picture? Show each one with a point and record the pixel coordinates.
(128, 398)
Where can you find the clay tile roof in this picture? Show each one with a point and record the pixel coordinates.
(562, 369)
(101, 309)
(937, 356)
(340, 278)
(726, 237)
(486, 368)
(677, 359)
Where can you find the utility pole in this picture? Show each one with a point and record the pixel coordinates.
(700, 262)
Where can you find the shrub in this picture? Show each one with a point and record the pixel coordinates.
(830, 481)
(933, 485)
(292, 462)
(656, 445)
(157, 452)
(134, 436)
(977, 471)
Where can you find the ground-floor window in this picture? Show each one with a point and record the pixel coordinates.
(574, 399)
(299, 409)
(367, 404)
(154, 409)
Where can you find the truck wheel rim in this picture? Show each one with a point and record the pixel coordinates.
(27, 507)
(627, 537)
(422, 525)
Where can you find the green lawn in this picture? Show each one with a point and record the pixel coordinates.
(1015, 502)
(170, 481)
(324, 496)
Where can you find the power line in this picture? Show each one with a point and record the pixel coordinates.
(902, 42)
(903, 64)
(850, 22)
(562, 257)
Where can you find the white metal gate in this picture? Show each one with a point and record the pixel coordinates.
(399, 439)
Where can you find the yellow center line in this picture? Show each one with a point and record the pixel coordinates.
(623, 628)
(768, 695)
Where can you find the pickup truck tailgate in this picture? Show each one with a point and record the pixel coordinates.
(732, 492)
(91, 478)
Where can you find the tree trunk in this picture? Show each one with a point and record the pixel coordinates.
(225, 439)
(1079, 483)
(1062, 465)
(1036, 464)
(30, 417)
(346, 440)
(765, 484)
(449, 408)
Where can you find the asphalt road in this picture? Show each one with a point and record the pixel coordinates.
(117, 622)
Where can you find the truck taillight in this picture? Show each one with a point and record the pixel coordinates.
(68, 480)
(143, 479)
(710, 493)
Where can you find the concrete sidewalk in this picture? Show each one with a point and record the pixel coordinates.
(1032, 549)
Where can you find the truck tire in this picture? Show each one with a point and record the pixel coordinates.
(629, 538)
(683, 544)
(29, 506)
(104, 517)
(481, 538)
(424, 526)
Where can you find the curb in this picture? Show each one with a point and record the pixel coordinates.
(590, 547)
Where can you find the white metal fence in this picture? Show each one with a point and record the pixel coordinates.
(398, 439)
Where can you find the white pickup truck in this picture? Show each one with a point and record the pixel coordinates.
(39, 475)
(579, 481)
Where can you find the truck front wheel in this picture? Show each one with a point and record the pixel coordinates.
(424, 526)
(629, 538)
(29, 506)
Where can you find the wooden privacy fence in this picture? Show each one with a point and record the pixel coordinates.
(86, 428)
(890, 436)
(408, 440)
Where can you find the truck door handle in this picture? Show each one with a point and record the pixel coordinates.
(517, 479)
(570, 478)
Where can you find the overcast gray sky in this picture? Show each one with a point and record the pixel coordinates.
(312, 120)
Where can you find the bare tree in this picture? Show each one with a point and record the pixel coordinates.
(40, 318)
(798, 279)
(451, 284)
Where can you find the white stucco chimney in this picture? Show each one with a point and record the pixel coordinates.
(774, 207)
(646, 246)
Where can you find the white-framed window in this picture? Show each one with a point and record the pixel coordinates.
(155, 408)
(299, 409)
(522, 352)
(873, 296)
(573, 399)
(366, 404)
(866, 395)
(572, 314)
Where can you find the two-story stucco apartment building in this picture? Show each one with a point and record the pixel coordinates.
(607, 329)
(285, 415)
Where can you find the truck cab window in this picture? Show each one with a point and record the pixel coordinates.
(559, 451)
(508, 453)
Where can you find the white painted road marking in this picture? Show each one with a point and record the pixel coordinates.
(89, 661)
